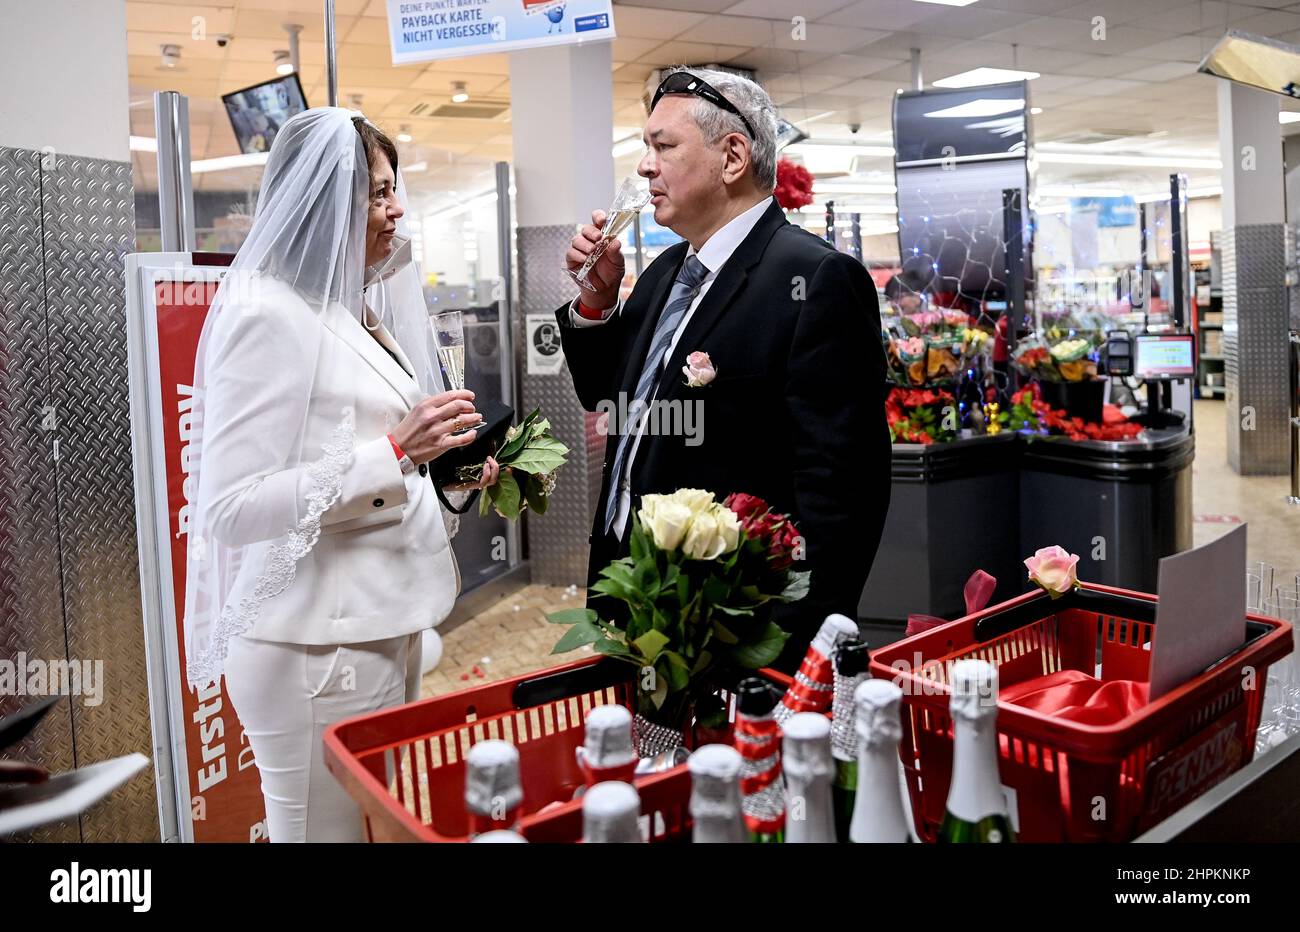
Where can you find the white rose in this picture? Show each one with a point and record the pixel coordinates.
(703, 538)
(664, 520)
(697, 500)
(728, 527)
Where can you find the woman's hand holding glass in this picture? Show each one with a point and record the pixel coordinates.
(430, 429)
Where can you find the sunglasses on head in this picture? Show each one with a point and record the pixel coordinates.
(683, 82)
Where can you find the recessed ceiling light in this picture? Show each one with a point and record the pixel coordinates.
(171, 55)
(978, 76)
(405, 134)
(1035, 110)
(459, 93)
(1286, 116)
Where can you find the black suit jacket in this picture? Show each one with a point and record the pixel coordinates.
(794, 416)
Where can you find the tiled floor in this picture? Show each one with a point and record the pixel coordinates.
(1218, 493)
(509, 638)
(513, 637)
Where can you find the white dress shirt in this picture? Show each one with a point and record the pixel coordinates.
(714, 254)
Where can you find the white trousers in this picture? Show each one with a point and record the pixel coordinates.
(286, 695)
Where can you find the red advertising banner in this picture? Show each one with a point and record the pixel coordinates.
(225, 796)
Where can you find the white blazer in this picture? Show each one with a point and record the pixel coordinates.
(383, 564)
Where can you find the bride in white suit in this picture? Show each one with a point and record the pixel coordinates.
(318, 552)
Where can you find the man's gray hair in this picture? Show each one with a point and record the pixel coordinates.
(753, 102)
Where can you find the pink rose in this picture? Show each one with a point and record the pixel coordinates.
(699, 370)
(914, 346)
(1054, 569)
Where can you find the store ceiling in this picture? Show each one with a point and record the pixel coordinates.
(1139, 80)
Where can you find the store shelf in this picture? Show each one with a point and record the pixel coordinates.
(1201, 326)
(1206, 357)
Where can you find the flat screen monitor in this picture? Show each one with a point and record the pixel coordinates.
(961, 124)
(1164, 356)
(257, 113)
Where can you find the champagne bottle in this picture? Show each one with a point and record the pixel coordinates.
(851, 660)
(493, 795)
(610, 814)
(806, 759)
(606, 752)
(715, 795)
(878, 814)
(758, 739)
(976, 809)
(814, 681)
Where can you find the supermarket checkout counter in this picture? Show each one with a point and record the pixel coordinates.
(988, 502)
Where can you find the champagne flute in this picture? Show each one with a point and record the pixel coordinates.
(633, 194)
(449, 337)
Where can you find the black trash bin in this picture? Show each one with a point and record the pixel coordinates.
(953, 510)
(1120, 506)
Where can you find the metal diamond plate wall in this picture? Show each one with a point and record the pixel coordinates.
(31, 604)
(89, 230)
(557, 542)
(1255, 316)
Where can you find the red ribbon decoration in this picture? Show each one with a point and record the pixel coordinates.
(624, 773)
(819, 669)
(769, 745)
(977, 592)
(751, 785)
(765, 826)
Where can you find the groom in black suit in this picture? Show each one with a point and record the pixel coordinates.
(795, 411)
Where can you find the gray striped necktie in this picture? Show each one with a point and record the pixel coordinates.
(687, 285)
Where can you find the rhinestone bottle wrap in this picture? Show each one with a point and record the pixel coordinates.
(758, 740)
(814, 682)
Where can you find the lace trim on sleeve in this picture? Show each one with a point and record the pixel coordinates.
(326, 484)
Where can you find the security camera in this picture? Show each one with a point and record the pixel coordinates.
(223, 40)
(854, 127)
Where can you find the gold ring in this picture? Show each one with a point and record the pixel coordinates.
(455, 423)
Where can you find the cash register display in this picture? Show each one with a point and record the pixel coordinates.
(1165, 356)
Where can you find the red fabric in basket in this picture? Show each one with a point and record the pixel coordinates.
(1077, 697)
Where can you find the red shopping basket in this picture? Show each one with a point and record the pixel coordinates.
(405, 766)
(1068, 781)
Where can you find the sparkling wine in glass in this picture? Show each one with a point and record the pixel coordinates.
(633, 194)
(449, 336)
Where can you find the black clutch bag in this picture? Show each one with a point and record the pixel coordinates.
(497, 417)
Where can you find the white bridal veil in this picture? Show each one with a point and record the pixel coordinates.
(304, 258)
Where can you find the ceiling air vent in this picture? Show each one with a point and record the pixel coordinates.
(474, 110)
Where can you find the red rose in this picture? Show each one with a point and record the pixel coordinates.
(761, 526)
(745, 505)
(780, 552)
